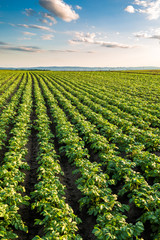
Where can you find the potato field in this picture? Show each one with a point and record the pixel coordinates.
(79, 155)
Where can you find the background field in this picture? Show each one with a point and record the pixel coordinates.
(79, 155)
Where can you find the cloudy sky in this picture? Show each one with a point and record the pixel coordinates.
(100, 33)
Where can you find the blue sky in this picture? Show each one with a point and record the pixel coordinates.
(104, 33)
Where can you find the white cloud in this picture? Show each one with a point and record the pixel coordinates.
(78, 7)
(90, 38)
(141, 3)
(85, 37)
(45, 21)
(47, 37)
(34, 26)
(25, 38)
(45, 16)
(29, 33)
(48, 16)
(153, 10)
(115, 45)
(60, 9)
(152, 34)
(29, 49)
(30, 12)
(70, 51)
(34, 49)
(142, 35)
(149, 7)
(63, 51)
(156, 36)
(130, 9)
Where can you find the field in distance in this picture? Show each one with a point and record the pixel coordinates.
(80, 155)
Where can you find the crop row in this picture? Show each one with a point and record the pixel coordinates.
(10, 90)
(147, 161)
(112, 153)
(115, 97)
(8, 114)
(59, 220)
(5, 81)
(142, 89)
(93, 183)
(12, 195)
(133, 114)
(107, 107)
(132, 181)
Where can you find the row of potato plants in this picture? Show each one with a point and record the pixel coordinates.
(5, 75)
(58, 219)
(149, 163)
(133, 108)
(135, 120)
(8, 114)
(124, 102)
(147, 141)
(141, 87)
(12, 192)
(151, 140)
(131, 86)
(92, 183)
(132, 181)
(5, 81)
(149, 95)
(10, 90)
(142, 120)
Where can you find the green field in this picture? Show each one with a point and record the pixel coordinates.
(80, 155)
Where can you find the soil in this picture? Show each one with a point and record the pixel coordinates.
(157, 153)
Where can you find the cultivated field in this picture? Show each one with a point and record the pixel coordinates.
(80, 155)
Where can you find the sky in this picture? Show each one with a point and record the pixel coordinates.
(86, 33)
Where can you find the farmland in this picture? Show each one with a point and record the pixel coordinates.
(80, 155)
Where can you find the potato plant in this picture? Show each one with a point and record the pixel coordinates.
(80, 155)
